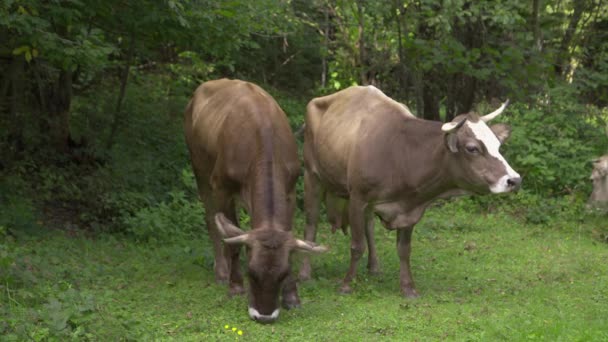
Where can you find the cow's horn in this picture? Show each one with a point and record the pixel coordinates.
(310, 247)
(238, 240)
(449, 127)
(491, 116)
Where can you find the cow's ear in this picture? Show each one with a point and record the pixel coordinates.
(502, 131)
(451, 142)
(231, 233)
(305, 246)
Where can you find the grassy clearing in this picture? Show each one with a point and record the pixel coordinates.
(482, 277)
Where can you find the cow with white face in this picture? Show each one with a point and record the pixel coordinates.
(364, 147)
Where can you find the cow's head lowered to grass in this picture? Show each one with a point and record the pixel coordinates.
(268, 252)
(479, 166)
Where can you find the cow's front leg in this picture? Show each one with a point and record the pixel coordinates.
(404, 239)
(236, 278)
(372, 259)
(220, 263)
(290, 293)
(356, 217)
(231, 252)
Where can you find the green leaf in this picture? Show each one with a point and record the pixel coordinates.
(21, 49)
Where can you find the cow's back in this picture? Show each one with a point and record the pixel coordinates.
(235, 121)
(338, 124)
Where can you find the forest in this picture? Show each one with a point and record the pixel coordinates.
(101, 229)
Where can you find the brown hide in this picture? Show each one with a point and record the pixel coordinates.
(599, 176)
(365, 147)
(242, 149)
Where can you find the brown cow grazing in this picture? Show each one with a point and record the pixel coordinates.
(599, 176)
(363, 146)
(242, 148)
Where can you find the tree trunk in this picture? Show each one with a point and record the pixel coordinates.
(15, 136)
(563, 54)
(124, 78)
(401, 69)
(419, 90)
(536, 25)
(59, 103)
(431, 100)
(362, 55)
(326, 47)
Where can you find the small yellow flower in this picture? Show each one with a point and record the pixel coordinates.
(240, 332)
(226, 326)
(234, 329)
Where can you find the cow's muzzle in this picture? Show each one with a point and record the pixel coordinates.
(506, 183)
(265, 319)
(514, 183)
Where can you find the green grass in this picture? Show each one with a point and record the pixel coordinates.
(482, 277)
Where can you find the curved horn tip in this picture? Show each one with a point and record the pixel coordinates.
(452, 126)
(494, 114)
(310, 247)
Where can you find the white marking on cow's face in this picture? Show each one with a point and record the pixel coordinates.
(256, 316)
(484, 134)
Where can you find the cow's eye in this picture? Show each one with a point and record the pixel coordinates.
(472, 149)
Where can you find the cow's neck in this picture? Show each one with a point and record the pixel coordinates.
(267, 196)
(433, 176)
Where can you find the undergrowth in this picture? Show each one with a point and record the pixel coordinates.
(108, 242)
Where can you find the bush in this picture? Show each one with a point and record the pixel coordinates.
(175, 219)
(17, 210)
(552, 144)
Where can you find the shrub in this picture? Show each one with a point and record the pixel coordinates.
(171, 220)
(17, 210)
(552, 144)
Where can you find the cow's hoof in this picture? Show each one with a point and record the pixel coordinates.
(304, 274)
(221, 273)
(345, 289)
(409, 293)
(291, 303)
(236, 290)
(374, 270)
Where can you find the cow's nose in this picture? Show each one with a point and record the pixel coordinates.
(265, 319)
(514, 182)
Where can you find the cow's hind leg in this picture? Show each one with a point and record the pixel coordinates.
(356, 217)
(312, 199)
(372, 259)
(404, 239)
